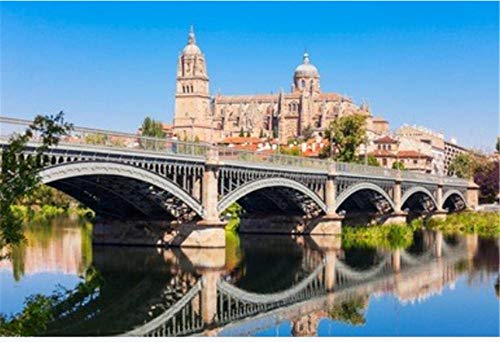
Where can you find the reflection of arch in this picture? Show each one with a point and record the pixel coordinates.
(417, 189)
(268, 183)
(271, 298)
(450, 193)
(79, 169)
(362, 186)
(353, 274)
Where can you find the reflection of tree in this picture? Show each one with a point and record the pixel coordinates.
(40, 311)
(351, 312)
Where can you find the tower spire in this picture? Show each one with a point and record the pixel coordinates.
(192, 38)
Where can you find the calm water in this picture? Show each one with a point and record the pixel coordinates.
(262, 286)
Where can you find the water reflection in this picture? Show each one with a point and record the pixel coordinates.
(258, 284)
(59, 247)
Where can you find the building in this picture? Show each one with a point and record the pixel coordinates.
(388, 150)
(425, 141)
(280, 115)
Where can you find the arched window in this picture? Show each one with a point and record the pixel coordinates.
(192, 89)
(303, 83)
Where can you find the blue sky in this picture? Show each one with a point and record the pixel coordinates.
(108, 65)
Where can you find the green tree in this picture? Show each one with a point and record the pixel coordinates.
(152, 128)
(96, 139)
(248, 134)
(346, 133)
(372, 161)
(291, 151)
(242, 133)
(462, 166)
(398, 165)
(261, 133)
(19, 176)
(498, 144)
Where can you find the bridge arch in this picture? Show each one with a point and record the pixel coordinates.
(453, 193)
(360, 187)
(81, 169)
(253, 186)
(416, 190)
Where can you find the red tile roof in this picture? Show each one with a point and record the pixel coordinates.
(382, 153)
(412, 154)
(242, 140)
(385, 140)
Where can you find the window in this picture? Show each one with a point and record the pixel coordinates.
(415, 161)
(384, 162)
(303, 83)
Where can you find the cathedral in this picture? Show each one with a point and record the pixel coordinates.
(198, 115)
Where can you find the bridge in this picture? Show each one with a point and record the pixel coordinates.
(188, 186)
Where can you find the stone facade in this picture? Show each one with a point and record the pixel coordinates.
(425, 141)
(280, 115)
(388, 151)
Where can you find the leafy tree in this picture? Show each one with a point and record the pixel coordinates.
(398, 165)
(261, 133)
(498, 144)
(242, 133)
(152, 128)
(486, 177)
(462, 166)
(372, 161)
(346, 133)
(248, 134)
(19, 176)
(291, 151)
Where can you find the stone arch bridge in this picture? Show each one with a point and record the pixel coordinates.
(130, 177)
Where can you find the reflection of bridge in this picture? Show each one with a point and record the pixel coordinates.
(125, 176)
(221, 308)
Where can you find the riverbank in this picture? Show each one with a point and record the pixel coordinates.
(47, 212)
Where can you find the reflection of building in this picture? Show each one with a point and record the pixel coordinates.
(283, 115)
(62, 253)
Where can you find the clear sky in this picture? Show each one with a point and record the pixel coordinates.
(108, 65)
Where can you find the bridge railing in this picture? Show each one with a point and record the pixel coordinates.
(82, 136)
(269, 158)
(353, 168)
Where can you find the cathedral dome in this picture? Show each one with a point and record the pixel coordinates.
(306, 69)
(191, 47)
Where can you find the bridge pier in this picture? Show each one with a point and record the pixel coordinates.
(472, 195)
(398, 216)
(331, 223)
(439, 214)
(210, 231)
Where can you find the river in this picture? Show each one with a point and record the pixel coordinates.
(267, 285)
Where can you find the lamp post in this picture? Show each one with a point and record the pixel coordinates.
(366, 149)
(192, 126)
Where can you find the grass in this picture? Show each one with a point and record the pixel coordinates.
(485, 224)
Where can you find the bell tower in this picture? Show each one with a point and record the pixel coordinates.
(192, 96)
